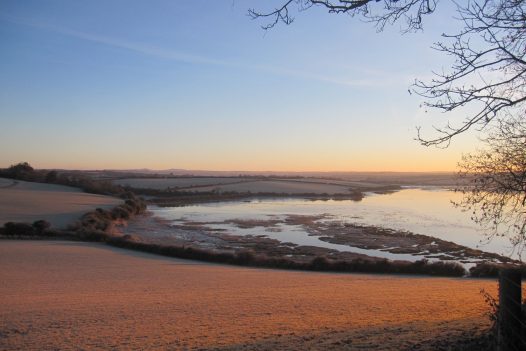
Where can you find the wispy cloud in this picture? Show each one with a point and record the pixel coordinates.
(175, 55)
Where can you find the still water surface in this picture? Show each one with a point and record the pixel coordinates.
(427, 211)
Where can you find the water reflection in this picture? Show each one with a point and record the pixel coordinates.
(425, 211)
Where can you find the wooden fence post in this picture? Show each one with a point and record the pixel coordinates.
(509, 337)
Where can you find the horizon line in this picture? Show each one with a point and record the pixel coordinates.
(189, 171)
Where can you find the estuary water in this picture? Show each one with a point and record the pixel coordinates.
(423, 210)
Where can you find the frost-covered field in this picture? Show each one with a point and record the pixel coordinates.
(243, 184)
(182, 182)
(69, 295)
(281, 186)
(60, 205)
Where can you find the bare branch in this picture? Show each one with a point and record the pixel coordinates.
(494, 181)
(489, 70)
(381, 12)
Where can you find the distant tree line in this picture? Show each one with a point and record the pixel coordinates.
(24, 171)
(98, 220)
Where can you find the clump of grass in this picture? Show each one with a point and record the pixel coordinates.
(38, 228)
(249, 258)
(93, 225)
(12, 228)
(492, 270)
(41, 226)
(424, 267)
(482, 270)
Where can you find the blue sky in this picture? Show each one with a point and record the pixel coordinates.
(199, 85)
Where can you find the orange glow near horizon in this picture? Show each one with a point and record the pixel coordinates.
(339, 155)
(297, 163)
(84, 91)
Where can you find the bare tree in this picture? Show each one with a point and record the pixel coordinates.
(487, 78)
(380, 12)
(494, 179)
(489, 71)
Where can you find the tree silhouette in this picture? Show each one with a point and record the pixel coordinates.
(22, 170)
(488, 75)
(494, 185)
(380, 12)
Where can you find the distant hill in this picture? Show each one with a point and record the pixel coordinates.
(400, 178)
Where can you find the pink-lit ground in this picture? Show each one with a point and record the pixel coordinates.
(64, 295)
(60, 205)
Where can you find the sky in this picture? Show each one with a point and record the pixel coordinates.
(198, 84)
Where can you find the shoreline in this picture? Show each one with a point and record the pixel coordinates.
(100, 225)
(192, 261)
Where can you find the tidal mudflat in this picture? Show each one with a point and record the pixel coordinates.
(410, 224)
(71, 295)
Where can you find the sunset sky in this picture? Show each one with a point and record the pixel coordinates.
(199, 85)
